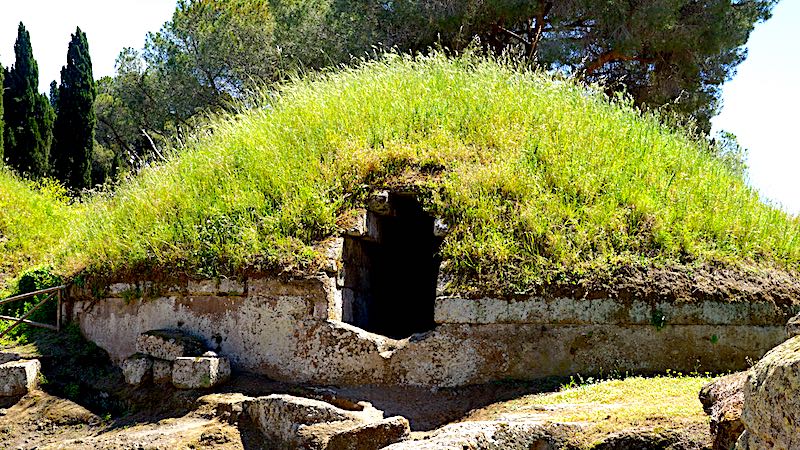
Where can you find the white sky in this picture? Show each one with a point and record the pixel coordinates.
(760, 103)
(761, 106)
(110, 25)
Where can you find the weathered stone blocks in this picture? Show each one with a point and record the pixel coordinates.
(138, 369)
(200, 372)
(771, 412)
(168, 344)
(296, 422)
(172, 356)
(18, 377)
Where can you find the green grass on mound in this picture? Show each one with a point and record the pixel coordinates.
(541, 179)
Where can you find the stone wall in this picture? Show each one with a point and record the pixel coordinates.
(291, 329)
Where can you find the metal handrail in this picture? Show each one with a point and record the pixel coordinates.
(54, 292)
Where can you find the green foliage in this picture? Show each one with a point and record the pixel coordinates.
(667, 54)
(34, 218)
(539, 178)
(73, 147)
(208, 54)
(28, 114)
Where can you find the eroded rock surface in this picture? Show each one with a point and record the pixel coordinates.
(533, 435)
(138, 369)
(723, 401)
(200, 372)
(771, 413)
(296, 422)
(18, 377)
(169, 344)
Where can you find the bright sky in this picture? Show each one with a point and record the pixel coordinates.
(760, 103)
(761, 106)
(110, 25)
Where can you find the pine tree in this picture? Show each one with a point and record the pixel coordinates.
(28, 115)
(74, 128)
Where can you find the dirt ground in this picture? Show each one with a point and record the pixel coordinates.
(194, 419)
(83, 403)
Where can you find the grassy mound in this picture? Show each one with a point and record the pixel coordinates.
(542, 180)
(34, 220)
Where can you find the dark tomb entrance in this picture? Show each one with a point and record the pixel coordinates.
(391, 269)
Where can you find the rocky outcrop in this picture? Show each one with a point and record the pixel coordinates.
(771, 413)
(723, 400)
(18, 377)
(296, 422)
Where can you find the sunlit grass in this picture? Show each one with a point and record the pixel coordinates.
(663, 403)
(540, 179)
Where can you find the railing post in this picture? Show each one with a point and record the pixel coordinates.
(58, 312)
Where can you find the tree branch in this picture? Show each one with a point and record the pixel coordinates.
(613, 56)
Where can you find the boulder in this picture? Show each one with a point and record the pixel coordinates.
(137, 369)
(371, 436)
(723, 400)
(296, 422)
(169, 344)
(18, 377)
(200, 372)
(162, 371)
(771, 413)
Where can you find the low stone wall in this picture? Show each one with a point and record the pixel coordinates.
(291, 330)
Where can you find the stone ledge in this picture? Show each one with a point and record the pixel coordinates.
(605, 311)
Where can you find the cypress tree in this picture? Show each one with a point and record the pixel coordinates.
(28, 115)
(74, 127)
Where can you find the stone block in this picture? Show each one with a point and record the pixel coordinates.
(297, 422)
(371, 436)
(200, 372)
(162, 371)
(771, 411)
(169, 344)
(723, 401)
(138, 369)
(18, 377)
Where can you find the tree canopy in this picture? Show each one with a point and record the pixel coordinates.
(74, 127)
(28, 114)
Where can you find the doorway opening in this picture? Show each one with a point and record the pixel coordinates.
(391, 270)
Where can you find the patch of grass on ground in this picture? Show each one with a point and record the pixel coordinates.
(660, 403)
(541, 180)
